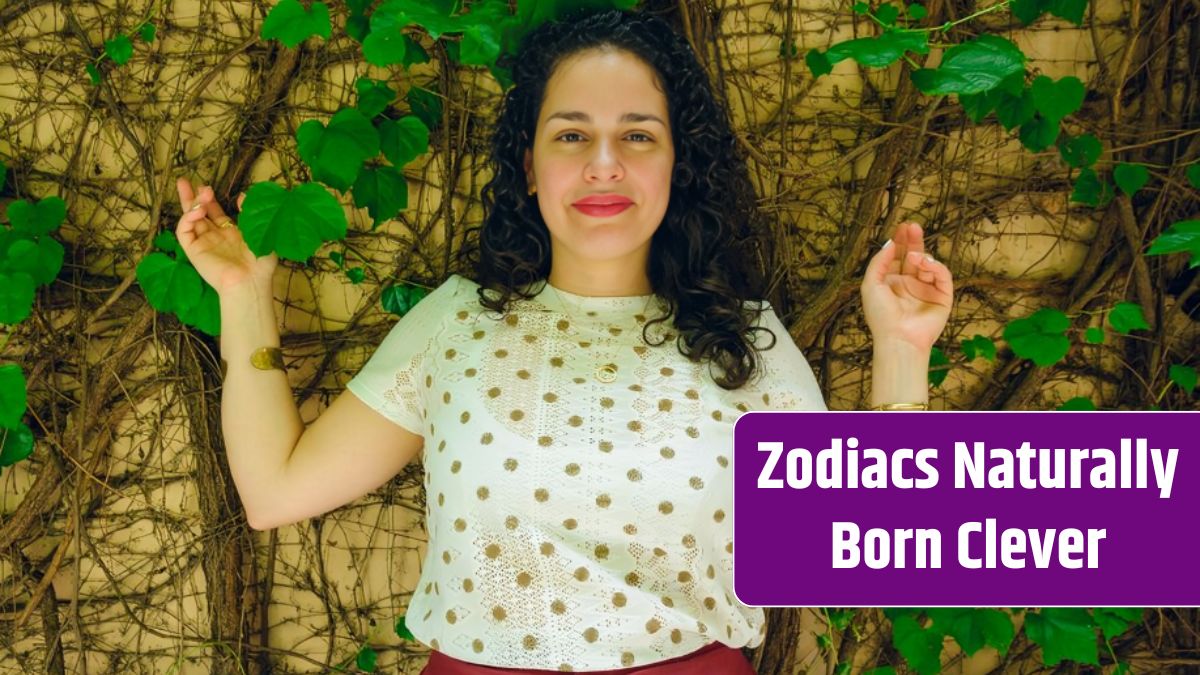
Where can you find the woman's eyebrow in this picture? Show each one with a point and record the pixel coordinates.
(579, 116)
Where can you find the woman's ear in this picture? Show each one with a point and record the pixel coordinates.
(529, 179)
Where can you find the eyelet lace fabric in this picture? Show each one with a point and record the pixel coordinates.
(576, 520)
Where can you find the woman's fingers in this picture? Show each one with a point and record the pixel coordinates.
(882, 263)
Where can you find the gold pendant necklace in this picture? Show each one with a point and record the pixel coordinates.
(605, 373)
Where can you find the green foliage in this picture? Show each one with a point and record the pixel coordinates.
(1040, 337)
(979, 346)
(400, 298)
(1078, 403)
(383, 191)
(1114, 621)
(1094, 336)
(29, 256)
(426, 105)
(290, 23)
(403, 631)
(292, 223)
(921, 647)
(1081, 151)
(374, 96)
(1193, 175)
(365, 660)
(938, 367)
(1090, 189)
(12, 395)
(974, 628)
(1184, 376)
(1063, 633)
(336, 152)
(1181, 237)
(1055, 100)
(972, 67)
(403, 140)
(1127, 316)
(1130, 177)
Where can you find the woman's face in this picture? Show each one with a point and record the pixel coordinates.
(602, 160)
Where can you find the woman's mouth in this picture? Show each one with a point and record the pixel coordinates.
(602, 206)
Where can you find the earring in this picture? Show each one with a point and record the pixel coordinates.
(532, 190)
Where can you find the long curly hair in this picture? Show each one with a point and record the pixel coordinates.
(701, 260)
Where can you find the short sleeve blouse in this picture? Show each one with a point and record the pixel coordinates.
(579, 481)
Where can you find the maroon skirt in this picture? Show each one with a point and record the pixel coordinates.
(712, 659)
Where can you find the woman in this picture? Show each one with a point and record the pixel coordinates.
(575, 402)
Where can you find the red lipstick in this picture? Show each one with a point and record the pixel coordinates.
(602, 206)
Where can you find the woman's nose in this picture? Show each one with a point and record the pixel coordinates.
(604, 164)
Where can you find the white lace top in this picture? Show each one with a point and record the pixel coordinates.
(579, 481)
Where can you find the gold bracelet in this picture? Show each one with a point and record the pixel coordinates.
(902, 406)
(263, 358)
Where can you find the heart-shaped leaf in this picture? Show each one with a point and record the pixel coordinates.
(1063, 633)
(1130, 177)
(290, 23)
(12, 395)
(336, 153)
(399, 299)
(293, 224)
(1081, 151)
(374, 96)
(1057, 99)
(403, 140)
(170, 285)
(383, 191)
(1184, 376)
(1039, 133)
(971, 67)
(1127, 316)
(1040, 337)
(37, 219)
(119, 49)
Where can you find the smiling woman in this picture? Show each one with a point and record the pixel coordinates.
(573, 391)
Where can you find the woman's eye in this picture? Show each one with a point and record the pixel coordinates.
(639, 137)
(570, 137)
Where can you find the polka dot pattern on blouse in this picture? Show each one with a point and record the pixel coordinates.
(580, 480)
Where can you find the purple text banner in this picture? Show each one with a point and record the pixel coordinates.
(974, 509)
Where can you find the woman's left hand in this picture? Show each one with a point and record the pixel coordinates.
(907, 294)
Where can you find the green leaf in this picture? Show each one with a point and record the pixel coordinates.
(1130, 177)
(403, 140)
(1039, 133)
(119, 49)
(1091, 190)
(403, 631)
(169, 285)
(16, 297)
(16, 445)
(916, 12)
(205, 314)
(37, 219)
(879, 51)
(12, 395)
(356, 275)
(861, 8)
(1063, 633)
(1071, 10)
(1027, 11)
(818, 64)
(979, 346)
(389, 46)
(1116, 620)
(1127, 316)
(167, 242)
(290, 23)
(937, 374)
(426, 105)
(840, 619)
(922, 648)
(1183, 236)
(887, 14)
(974, 628)
(1081, 151)
(147, 32)
(1016, 110)
(293, 223)
(842, 668)
(1078, 403)
(1193, 175)
(480, 45)
(338, 258)
(374, 96)
(336, 153)
(1040, 337)
(788, 49)
(93, 73)
(971, 67)
(39, 257)
(1055, 100)
(1094, 336)
(383, 191)
(399, 299)
(824, 642)
(366, 659)
(1184, 376)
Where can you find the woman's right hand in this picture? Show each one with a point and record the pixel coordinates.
(219, 254)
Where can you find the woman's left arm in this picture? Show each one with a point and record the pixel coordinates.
(907, 296)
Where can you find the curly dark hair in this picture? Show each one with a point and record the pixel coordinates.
(701, 256)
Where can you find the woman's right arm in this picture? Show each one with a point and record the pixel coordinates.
(283, 472)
